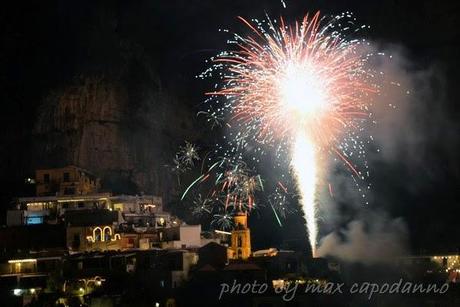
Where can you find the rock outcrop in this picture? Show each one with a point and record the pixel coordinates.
(125, 138)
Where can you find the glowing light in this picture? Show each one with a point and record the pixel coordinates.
(18, 292)
(103, 234)
(301, 92)
(22, 261)
(222, 232)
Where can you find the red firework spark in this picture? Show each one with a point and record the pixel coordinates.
(305, 78)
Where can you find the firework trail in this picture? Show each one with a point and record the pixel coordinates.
(304, 87)
(279, 203)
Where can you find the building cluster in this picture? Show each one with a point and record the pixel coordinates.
(72, 242)
(69, 198)
(73, 245)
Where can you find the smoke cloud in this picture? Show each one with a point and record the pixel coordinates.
(411, 124)
(376, 240)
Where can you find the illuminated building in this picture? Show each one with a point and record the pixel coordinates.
(181, 236)
(139, 240)
(446, 263)
(95, 237)
(270, 252)
(52, 209)
(241, 238)
(26, 278)
(69, 180)
(449, 262)
(18, 266)
(76, 238)
(83, 286)
(144, 210)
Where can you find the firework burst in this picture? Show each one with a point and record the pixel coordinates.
(305, 86)
(228, 186)
(306, 79)
(223, 221)
(238, 186)
(202, 207)
(188, 154)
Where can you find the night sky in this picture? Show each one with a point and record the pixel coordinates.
(46, 44)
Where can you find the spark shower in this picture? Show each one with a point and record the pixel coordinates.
(304, 88)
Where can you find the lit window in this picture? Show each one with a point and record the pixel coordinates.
(32, 220)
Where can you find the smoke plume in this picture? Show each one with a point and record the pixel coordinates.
(412, 126)
(376, 240)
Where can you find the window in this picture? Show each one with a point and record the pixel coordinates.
(81, 204)
(46, 178)
(66, 177)
(31, 220)
(240, 242)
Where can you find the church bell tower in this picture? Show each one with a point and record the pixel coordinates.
(241, 237)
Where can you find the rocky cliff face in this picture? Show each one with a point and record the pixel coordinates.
(125, 135)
